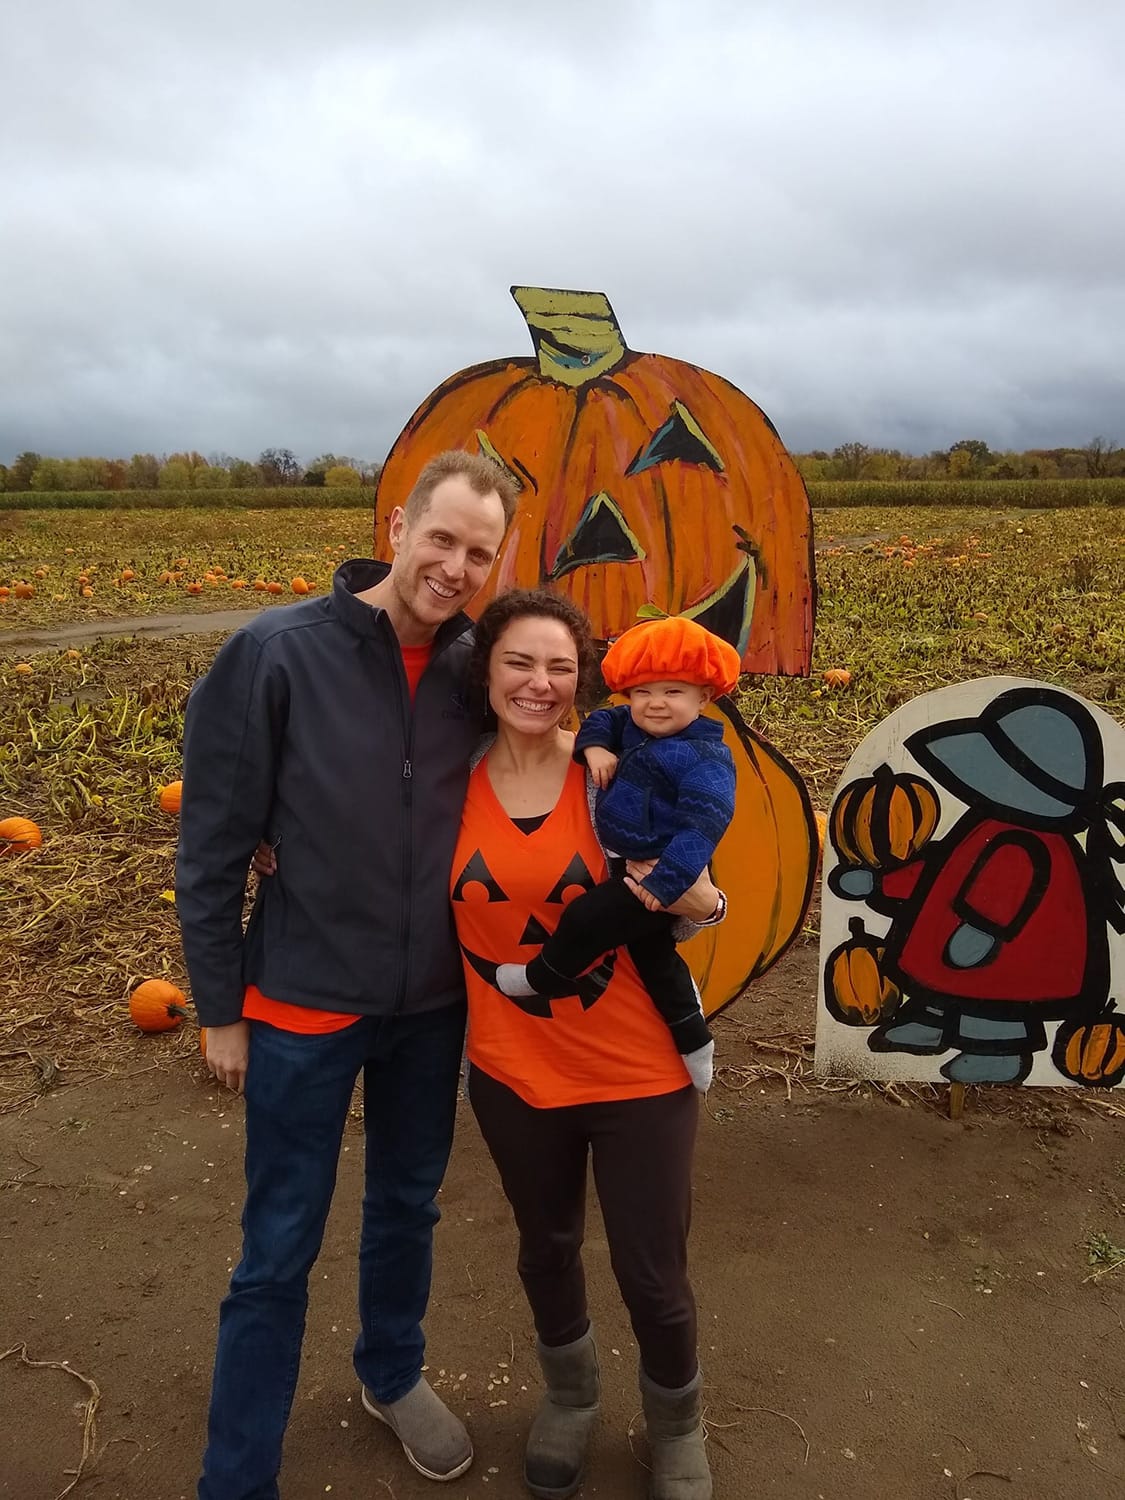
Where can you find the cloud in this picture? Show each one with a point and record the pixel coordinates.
(260, 224)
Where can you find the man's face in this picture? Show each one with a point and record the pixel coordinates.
(444, 558)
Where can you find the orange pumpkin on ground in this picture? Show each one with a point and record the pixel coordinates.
(18, 835)
(194, 588)
(24, 590)
(837, 677)
(157, 1005)
(883, 819)
(170, 797)
(1092, 1052)
(5, 591)
(299, 586)
(647, 485)
(273, 588)
(856, 991)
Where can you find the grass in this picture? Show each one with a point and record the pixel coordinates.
(909, 601)
(55, 550)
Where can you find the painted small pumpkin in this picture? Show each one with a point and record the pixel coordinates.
(883, 820)
(18, 835)
(856, 991)
(157, 1005)
(646, 485)
(1092, 1052)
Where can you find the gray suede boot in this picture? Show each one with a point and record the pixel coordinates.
(675, 1439)
(556, 1444)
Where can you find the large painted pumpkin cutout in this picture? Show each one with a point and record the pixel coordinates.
(647, 485)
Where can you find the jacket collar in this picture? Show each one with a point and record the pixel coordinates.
(367, 620)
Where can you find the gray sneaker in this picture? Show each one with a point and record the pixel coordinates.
(432, 1438)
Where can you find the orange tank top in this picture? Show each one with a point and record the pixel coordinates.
(508, 890)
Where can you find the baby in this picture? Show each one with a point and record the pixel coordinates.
(666, 791)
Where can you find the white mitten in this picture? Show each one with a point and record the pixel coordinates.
(701, 1065)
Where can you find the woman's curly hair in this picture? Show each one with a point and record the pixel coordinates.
(519, 604)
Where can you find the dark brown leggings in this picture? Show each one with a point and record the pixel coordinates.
(642, 1151)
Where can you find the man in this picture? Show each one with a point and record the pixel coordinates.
(338, 730)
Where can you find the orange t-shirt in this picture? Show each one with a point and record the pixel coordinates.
(259, 1007)
(508, 890)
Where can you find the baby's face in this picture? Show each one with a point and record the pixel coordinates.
(663, 708)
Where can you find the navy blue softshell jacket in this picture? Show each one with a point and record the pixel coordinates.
(302, 733)
(671, 797)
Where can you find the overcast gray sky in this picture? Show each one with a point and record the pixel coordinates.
(231, 225)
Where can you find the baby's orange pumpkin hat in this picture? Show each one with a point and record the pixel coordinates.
(671, 650)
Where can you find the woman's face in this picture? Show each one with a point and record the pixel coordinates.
(533, 674)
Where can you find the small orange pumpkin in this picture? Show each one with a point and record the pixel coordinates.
(5, 592)
(18, 835)
(856, 991)
(23, 669)
(24, 590)
(87, 592)
(260, 585)
(127, 575)
(170, 797)
(157, 1005)
(1092, 1052)
(299, 586)
(837, 677)
(194, 588)
(884, 819)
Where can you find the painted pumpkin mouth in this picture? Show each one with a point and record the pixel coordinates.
(589, 989)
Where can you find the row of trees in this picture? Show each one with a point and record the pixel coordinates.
(971, 458)
(275, 467)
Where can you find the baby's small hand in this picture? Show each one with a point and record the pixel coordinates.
(602, 765)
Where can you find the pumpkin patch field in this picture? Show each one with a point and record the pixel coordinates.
(866, 1269)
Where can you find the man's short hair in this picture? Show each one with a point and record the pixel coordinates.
(481, 473)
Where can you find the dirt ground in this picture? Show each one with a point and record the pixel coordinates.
(892, 1303)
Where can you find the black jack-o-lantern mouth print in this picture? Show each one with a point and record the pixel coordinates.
(477, 885)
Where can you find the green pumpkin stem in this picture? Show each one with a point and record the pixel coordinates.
(575, 334)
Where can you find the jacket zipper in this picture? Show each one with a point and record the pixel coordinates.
(408, 830)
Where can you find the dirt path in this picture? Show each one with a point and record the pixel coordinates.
(891, 1304)
(153, 627)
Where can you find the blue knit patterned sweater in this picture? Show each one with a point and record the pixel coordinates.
(671, 797)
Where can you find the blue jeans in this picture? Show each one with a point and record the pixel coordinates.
(298, 1089)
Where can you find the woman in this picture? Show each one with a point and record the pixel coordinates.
(551, 1081)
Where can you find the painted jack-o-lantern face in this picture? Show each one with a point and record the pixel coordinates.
(477, 884)
(647, 485)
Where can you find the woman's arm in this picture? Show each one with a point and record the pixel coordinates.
(701, 905)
